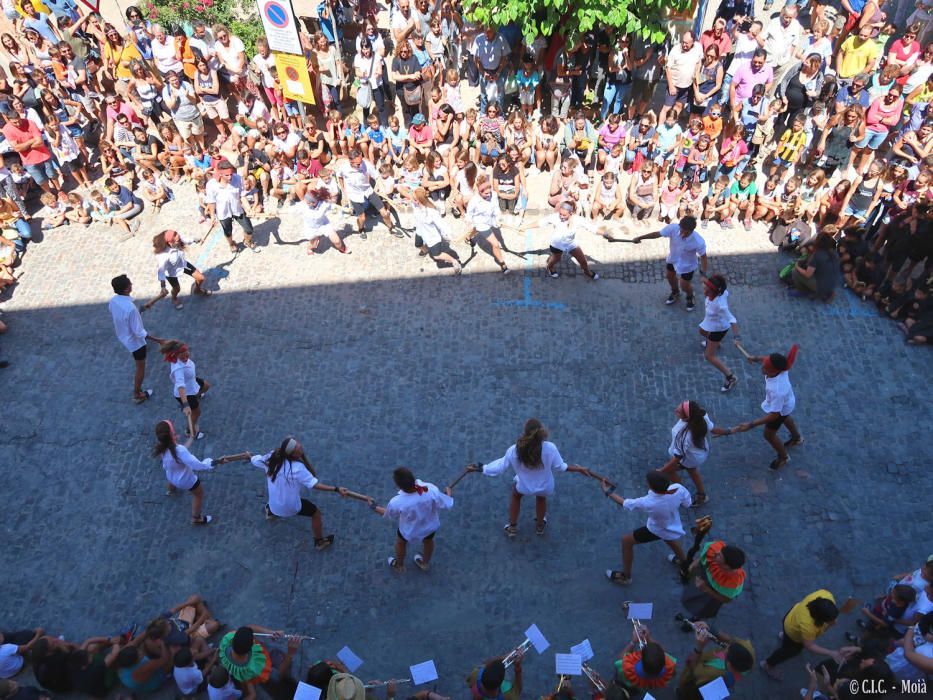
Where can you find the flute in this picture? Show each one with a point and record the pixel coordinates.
(709, 635)
(302, 637)
(594, 677)
(516, 653)
(380, 684)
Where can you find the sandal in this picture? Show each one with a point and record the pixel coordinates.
(620, 577)
(700, 499)
(540, 526)
(140, 398)
(202, 520)
(420, 562)
(177, 304)
(394, 565)
(322, 543)
(772, 673)
(778, 463)
(510, 530)
(201, 292)
(311, 251)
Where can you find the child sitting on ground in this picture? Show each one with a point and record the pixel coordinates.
(188, 676)
(79, 212)
(58, 210)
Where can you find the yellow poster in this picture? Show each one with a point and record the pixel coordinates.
(294, 78)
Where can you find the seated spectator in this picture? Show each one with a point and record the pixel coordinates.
(817, 275)
(91, 666)
(10, 690)
(140, 673)
(189, 670)
(124, 205)
(13, 646)
(913, 659)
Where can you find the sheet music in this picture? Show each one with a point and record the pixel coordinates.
(568, 664)
(640, 611)
(307, 692)
(350, 660)
(533, 635)
(424, 672)
(584, 649)
(716, 690)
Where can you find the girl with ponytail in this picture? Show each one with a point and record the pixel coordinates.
(180, 467)
(690, 443)
(717, 321)
(534, 460)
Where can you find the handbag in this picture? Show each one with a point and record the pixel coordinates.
(364, 93)
(413, 97)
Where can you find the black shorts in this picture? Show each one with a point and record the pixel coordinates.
(194, 400)
(717, 336)
(373, 201)
(687, 276)
(139, 353)
(423, 539)
(308, 509)
(776, 423)
(434, 250)
(643, 535)
(197, 483)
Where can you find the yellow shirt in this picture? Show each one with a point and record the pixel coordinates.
(856, 56)
(799, 625)
(790, 145)
(38, 4)
(127, 53)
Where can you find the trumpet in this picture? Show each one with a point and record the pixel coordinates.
(380, 684)
(594, 677)
(516, 653)
(637, 626)
(709, 635)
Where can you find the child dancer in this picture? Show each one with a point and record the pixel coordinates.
(179, 465)
(287, 469)
(715, 324)
(417, 507)
(690, 446)
(779, 403)
(169, 250)
(534, 460)
(317, 206)
(662, 503)
(188, 387)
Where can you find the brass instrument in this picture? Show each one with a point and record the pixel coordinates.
(518, 651)
(594, 677)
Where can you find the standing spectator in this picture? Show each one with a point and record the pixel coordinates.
(165, 51)
(578, 67)
(782, 34)
(491, 53)
(406, 71)
(202, 42)
(231, 55)
(40, 22)
(25, 139)
(403, 23)
(128, 325)
(747, 76)
(745, 45)
(679, 71)
(646, 71)
(329, 72)
(857, 54)
(117, 55)
(717, 35)
(224, 202)
(181, 101)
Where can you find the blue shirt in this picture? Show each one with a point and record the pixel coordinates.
(327, 23)
(847, 99)
(41, 24)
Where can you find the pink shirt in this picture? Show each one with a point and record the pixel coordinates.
(611, 138)
(15, 135)
(745, 79)
(420, 137)
(724, 42)
(881, 117)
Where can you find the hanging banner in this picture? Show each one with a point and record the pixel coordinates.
(278, 21)
(294, 78)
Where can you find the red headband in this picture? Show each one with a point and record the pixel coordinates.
(171, 236)
(171, 428)
(685, 407)
(790, 358)
(173, 356)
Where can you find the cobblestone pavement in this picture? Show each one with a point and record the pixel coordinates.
(378, 359)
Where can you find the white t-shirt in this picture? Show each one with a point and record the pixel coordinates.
(780, 41)
(285, 491)
(356, 180)
(684, 251)
(564, 233)
(902, 669)
(483, 213)
(188, 679)
(127, 322)
(418, 513)
(256, 112)
(228, 692)
(683, 65)
(691, 456)
(717, 317)
(225, 198)
(291, 140)
(10, 661)
(369, 66)
(428, 225)
(165, 56)
(530, 481)
(779, 395)
(921, 605)
(663, 511)
(228, 54)
(170, 263)
(183, 376)
(915, 580)
(263, 65)
(180, 474)
(316, 222)
(745, 47)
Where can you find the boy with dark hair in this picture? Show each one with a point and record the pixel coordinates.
(706, 665)
(662, 503)
(644, 668)
(489, 681)
(715, 578)
(189, 677)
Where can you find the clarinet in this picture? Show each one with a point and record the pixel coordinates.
(709, 635)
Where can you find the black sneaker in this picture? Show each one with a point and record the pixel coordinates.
(671, 298)
(690, 305)
(729, 384)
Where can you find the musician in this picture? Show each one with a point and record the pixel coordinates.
(490, 682)
(534, 460)
(662, 503)
(778, 404)
(706, 665)
(714, 579)
(646, 667)
(417, 507)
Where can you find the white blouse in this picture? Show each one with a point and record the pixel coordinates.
(181, 472)
(429, 225)
(718, 317)
(171, 263)
(530, 481)
(691, 456)
(483, 213)
(564, 233)
(663, 511)
(779, 395)
(418, 513)
(315, 218)
(184, 376)
(285, 491)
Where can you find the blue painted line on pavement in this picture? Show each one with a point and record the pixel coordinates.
(206, 250)
(527, 301)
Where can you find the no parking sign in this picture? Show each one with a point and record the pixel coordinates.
(293, 75)
(278, 20)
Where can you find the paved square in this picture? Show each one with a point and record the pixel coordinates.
(377, 360)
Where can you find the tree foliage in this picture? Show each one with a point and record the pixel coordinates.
(571, 17)
(240, 16)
